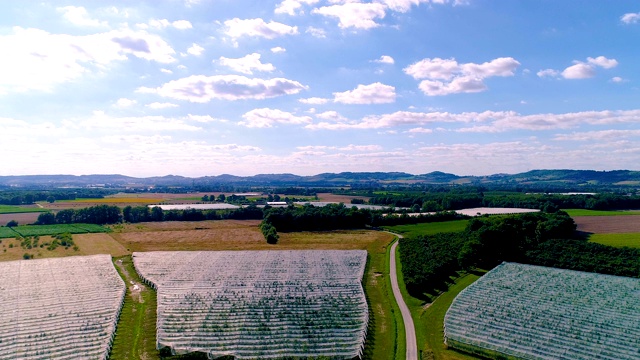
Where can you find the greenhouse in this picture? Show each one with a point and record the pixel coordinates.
(259, 304)
(64, 308)
(534, 312)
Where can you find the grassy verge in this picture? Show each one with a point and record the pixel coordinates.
(429, 317)
(617, 240)
(136, 332)
(584, 212)
(382, 339)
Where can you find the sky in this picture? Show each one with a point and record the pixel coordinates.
(244, 87)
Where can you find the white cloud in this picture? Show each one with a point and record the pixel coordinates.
(201, 88)
(385, 59)
(548, 73)
(247, 64)
(100, 120)
(316, 32)
(292, 7)
(463, 84)
(582, 70)
(630, 18)
(603, 62)
(123, 103)
(314, 101)
(159, 105)
(376, 93)
(331, 115)
(39, 60)
(354, 14)
(420, 130)
(237, 28)
(78, 15)
(405, 5)
(195, 49)
(166, 71)
(617, 80)
(491, 121)
(266, 118)
(164, 23)
(278, 49)
(597, 135)
(460, 78)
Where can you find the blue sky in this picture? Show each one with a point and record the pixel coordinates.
(209, 87)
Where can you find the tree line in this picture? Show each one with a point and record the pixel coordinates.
(110, 214)
(546, 239)
(456, 199)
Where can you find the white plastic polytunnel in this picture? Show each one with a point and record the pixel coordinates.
(259, 304)
(534, 312)
(63, 308)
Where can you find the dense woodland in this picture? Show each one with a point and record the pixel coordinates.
(545, 239)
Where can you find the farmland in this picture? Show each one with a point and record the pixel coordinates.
(535, 312)
(256, 303)
(71, 312)
(429, 228)
(41, 230)
(10, 209)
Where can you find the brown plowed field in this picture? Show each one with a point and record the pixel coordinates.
(608, 224)
(21, 218)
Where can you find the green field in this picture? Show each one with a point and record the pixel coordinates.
(429, 228)
(617, 240)
(584, 212)
(11, 209)
(42, 230)
(7, 232)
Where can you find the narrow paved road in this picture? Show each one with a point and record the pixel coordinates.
(409, 328)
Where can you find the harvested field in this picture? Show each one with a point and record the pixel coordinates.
(234, 235)
(101, 243)
(21, 218)
(608, 224)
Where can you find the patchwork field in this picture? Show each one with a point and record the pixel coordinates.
(259, 304)
(63, 308)
(533, 312)
(608, 224)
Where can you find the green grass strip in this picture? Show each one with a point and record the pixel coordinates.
(617, 240)
(12, 209)
(585, 212)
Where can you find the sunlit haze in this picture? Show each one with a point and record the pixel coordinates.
(208, 87)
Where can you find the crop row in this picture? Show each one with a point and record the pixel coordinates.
(42, 230)
(535, 312)
(267, 304)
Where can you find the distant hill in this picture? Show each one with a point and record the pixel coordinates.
(550, 178)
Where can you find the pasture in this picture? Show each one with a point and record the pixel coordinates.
(617, 239)
(429, 228)
(11, 209)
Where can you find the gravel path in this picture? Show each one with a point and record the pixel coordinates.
(410, 330)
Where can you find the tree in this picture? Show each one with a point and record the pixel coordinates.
(205, 198)
(12, 223)
(221, 198)
(51, 199)
(46, 218)
(269, 232)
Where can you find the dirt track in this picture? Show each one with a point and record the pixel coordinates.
(608, 224)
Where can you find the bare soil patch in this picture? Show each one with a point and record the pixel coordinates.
(608, 224)
(21, 218)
